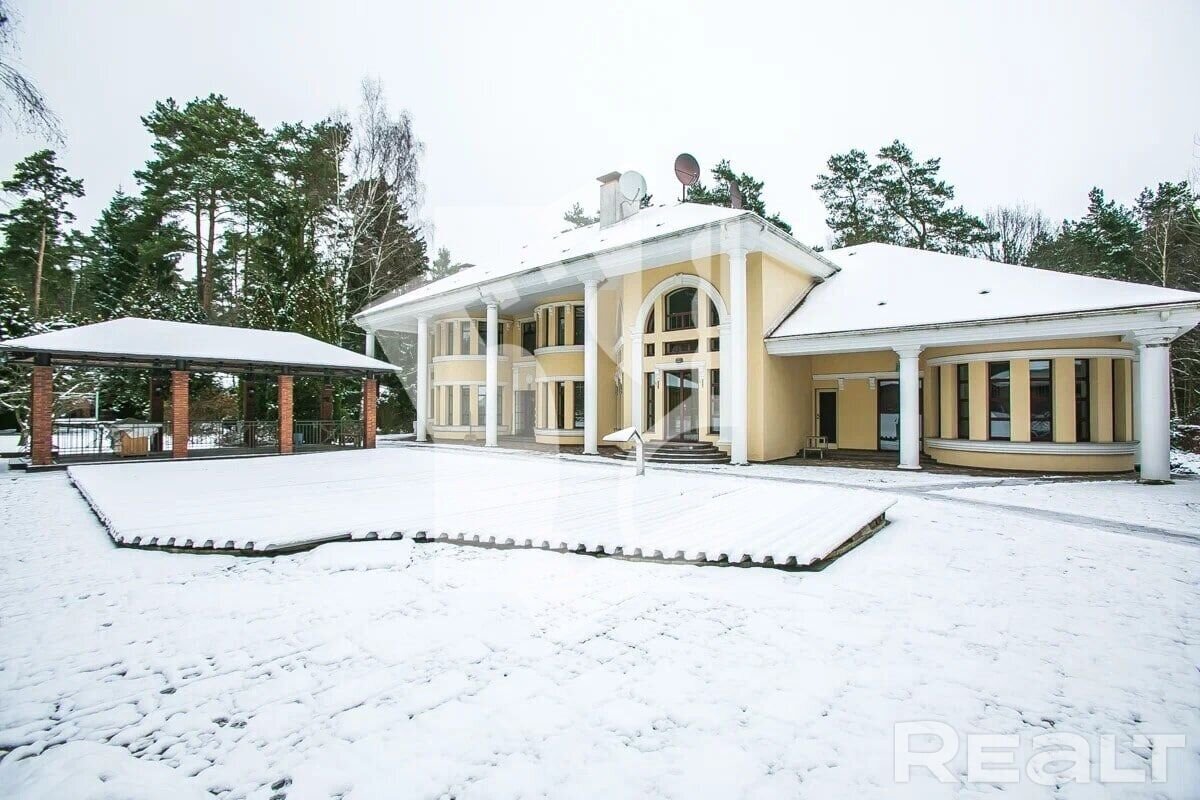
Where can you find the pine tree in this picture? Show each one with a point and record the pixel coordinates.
(1103, 243)
(204, 155)
(749, 187)
(897, 200)
(443, 266)
(35, 252)
(578, 218)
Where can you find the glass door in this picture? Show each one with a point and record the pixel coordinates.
(683, 419)
(889, 415)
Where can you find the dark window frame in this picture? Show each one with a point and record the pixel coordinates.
(714, 315)
(560, 326)
(1083, 400)
(650, 392)
(681, 347)
(1046, 435)
(681, 320)
(649, 327)
(999, 387)
(464, 338)
(577, 411)
(648, 350)
(714, 401)
(578, 323)
(464, 405)
(481, 328)
(560, 404)
(529, 335)
(963, 400)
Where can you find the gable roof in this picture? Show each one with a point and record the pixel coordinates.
(883, 286)
(148, 341)
(647, 225)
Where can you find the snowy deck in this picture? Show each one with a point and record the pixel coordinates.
(277, 505)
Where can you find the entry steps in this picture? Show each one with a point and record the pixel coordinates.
(678, 453)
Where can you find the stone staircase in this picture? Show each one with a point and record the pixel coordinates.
(677, 453)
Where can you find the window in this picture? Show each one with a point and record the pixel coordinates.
(577, 392)
(682, 347)
(529, 336)
(1041, 400)
(714, 401)
(714, 344)
(714, 318)
(449, 405)
(464, 404)
(999, 401)
(560, 317)
(649, 401)
(482, 347)
(578, 311)
(650, 321)
(964, 402)
(681, 309)
(649, 350)
(560, 404)
(481, 406)
(464, 342)
(499, 407)
(1083, 405)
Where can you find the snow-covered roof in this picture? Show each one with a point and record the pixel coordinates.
(884, 286)
(648, 223)
(132, 339)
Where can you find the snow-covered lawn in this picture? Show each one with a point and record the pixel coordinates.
(518, 498)
(1175, 507)
(387, 669)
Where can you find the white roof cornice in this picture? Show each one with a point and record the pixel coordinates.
(1160, 324)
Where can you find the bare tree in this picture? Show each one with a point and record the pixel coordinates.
(1016, 230)
(20, 101)
(384, 194)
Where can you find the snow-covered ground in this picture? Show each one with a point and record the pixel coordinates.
(387, 669)
(1174, 508)
(515, 498)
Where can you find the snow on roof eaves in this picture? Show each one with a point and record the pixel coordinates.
(884, 287)
(569, 247)
(133, 338)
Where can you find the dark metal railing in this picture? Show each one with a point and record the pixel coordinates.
(237, 434)
(111, 439)
(328, 433)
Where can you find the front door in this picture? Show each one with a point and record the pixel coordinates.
(827, 415)
(889, 415)
(523, 422)
(683, 421)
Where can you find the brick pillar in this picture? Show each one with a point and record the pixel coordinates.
(41, 416)
(370, 390)
(326, 403)
(179, 413)
(285, 414)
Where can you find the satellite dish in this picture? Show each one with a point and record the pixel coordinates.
(632, 186)
(687, 169)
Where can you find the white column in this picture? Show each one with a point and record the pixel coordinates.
(590, 367)
(422, 377)
(637, 392)
(725, 359)
(910, 407)
(738, 402)
(1135, 398)
(493, 370)
(369, 344)
(1154, 397)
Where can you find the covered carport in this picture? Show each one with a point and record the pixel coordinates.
(172, 352)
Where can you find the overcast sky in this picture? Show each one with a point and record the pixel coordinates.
(522, 105)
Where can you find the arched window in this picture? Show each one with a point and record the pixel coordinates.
(714, 316)
(681, 309)
(650, 321)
